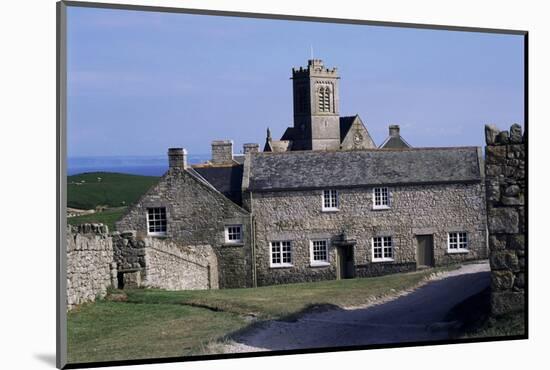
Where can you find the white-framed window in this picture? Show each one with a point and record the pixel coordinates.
(330, 200)
(318, 251)
(281, 254)
(381, 198)
(156, 221)
(234, 233)
(457, 241)
(382, 248)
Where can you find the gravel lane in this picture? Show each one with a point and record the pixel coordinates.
(415, 316)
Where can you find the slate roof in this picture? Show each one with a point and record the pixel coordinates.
(226, 179)
(395, 142)
(322, 169)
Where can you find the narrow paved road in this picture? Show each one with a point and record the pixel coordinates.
(418, 316)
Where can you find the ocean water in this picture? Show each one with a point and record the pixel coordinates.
(133, 165)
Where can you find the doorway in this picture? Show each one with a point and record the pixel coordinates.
(425, 251)
(346, 267)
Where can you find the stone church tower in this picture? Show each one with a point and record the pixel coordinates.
(316, 107)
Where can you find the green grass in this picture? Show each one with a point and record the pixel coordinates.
(86, 191)
(107, 217)
(157, 323)
(108, 331)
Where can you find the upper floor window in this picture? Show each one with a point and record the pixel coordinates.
(281, 254)
(156, 221)
(457, 242)
(330, 200)
(324, 99)
(234, 234)
(381, 198)
(382, 248)
(319, 252)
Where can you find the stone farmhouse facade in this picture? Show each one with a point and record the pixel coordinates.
(323, 202)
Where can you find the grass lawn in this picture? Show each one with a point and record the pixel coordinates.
(86, 191)
(157, 323)
(107, 217)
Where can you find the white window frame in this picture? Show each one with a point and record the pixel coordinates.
(331, 208)
(461, 246)
(288, 244)
(157, 233)
(388, 195)
(317, 263)
(383, 258)
(227, 233)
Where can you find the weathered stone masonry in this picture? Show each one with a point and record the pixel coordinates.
(90, 267)
(197, 215)
(435, 210)
(506, 189)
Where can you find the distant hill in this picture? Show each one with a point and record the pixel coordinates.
(89, 190)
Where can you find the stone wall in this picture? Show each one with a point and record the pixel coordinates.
(90, 267)
(505, 179)
(415, 210)
(197, 215)
(163, 263)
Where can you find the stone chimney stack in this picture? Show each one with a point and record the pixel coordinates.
(222, 151)
(251, 148)
(394, 130)
(177, 158)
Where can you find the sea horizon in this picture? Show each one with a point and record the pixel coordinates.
(145, 165)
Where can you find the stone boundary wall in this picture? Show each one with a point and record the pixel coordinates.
(90, 267)
(505, 186)
(163, 263)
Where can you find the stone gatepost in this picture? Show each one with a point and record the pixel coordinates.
(505, 186)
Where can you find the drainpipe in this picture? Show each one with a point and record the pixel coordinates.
(253, 247)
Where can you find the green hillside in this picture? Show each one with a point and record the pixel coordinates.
(89, 190)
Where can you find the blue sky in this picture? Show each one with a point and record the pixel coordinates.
(140, 82)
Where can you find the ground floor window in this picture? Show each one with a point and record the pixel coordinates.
(319, 252)
(457, 241)
(382, 248)
(156, 221)
(281, 254)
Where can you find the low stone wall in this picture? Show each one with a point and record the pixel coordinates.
(163, 263)
(505, 184)
(90, 267)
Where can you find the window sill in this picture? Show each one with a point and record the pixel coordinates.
(381, 208)
(330, 210)
(233, 244)
(160, 236)
(383, 260)
(319, 264)
(458, 251)
(281, 266)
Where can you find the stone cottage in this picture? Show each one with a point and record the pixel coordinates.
(323, 202)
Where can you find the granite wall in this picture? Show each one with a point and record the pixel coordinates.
(435, 210)
(90, 267)
(197, 215)
(506, 191)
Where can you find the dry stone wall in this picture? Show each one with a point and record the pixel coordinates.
(506, 189)
(90, 267)
(163, 263)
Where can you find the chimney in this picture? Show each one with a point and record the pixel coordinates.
(394, 130)
(251, 148)
(222, 151)
(177, 158)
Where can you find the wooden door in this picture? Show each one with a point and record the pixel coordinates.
(424, 251)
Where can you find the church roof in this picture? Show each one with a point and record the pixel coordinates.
(323, 169)
(226, 179)
(345, 125)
